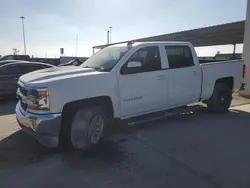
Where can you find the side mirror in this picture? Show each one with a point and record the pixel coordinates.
(134, 64)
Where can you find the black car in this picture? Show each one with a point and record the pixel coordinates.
(9, 61)
(15, 57)
(10, 73)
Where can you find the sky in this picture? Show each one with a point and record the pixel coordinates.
(54, 24)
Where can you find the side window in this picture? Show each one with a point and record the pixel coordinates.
(10, 70)
(179, 56)
(29, 68)
(148, 58)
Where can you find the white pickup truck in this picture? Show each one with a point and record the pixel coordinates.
(122, 81)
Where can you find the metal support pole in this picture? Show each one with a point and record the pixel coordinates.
(234, 50)
(24, 43)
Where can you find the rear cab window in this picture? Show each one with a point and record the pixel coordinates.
(179, 56)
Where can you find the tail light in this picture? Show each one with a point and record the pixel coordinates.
(244, 71)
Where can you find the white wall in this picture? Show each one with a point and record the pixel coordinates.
(246, 51)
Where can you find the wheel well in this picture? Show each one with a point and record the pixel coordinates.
(102, 101)
(228, 81)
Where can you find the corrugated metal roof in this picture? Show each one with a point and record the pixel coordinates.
(230, 33)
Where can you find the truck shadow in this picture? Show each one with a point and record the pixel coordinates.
(203, 113)
(19, 150)
(7, 106)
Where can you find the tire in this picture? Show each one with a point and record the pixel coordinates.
(85, 127)
(221, 99)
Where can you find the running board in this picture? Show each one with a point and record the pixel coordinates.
(162, 114)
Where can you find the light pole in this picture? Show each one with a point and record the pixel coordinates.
(110, 29)
(24, 44)
(108, 37)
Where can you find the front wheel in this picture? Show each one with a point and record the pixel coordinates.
(86, 128)
(221, 99)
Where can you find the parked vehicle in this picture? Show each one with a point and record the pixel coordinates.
(8, 61)
(127, 81)
(67, 59)
(51, 61)
(10, 73)
(75, 62)
(15, 57)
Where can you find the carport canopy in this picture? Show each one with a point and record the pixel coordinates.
(230, 33)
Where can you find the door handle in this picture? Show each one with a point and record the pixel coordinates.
(194, 72)
(16, 78)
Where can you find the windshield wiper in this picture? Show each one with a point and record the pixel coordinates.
(85, 67)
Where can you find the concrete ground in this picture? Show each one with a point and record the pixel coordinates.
(199, 150)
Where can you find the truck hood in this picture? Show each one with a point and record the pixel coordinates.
(53, 74)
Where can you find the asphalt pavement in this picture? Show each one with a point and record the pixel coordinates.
(198, 150)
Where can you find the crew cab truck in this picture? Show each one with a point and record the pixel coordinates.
(71, 104)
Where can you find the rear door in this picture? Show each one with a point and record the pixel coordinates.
(183, 76)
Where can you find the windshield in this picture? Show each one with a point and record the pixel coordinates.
(105, 59)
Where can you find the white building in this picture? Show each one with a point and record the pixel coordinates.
(246, 51)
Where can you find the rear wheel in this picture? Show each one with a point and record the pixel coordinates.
(221, 99)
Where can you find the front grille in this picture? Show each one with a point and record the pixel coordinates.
(24, 106)
(23, 91)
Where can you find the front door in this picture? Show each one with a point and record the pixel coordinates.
(143, 88)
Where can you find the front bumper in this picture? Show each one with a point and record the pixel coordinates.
(44, 127)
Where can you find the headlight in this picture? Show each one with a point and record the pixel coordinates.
(38, 93)
(39, 98)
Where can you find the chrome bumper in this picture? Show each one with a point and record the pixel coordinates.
(44, 127)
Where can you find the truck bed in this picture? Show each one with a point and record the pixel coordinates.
(202, 61)
(220, 69)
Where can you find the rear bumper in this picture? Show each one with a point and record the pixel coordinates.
(44, 127)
